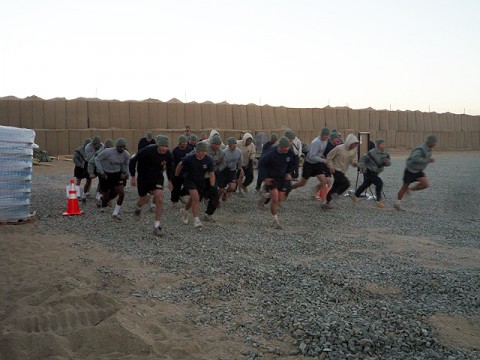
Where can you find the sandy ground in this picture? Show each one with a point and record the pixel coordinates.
(60, 299)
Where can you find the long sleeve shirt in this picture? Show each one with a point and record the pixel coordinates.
(150, 164)
(316, 153)
(111, 161)
(276, 165)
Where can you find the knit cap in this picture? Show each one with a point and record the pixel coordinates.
(149, 135)
(121, 142)
(87, 141)
(201, 146)
(108, 143)
(283, 142)
(379, 141)
(96, 140)
(193, 137)
(333, 135)
(231, 140)
(273, 137)
(162, 140)
(216, 140)
(324, 131)
(431, 139)
(181, 139)
(289, 134)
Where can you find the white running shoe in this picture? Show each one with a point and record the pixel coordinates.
(197, 224)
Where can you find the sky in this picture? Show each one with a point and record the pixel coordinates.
(386, 54)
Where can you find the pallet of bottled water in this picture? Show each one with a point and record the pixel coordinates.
(16, 153)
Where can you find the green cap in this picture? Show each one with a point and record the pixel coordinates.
(121, 142)
(431, 139)
(162, 140)
(324, 131)
(289, 134)
(181, 139)
(201, 146)
(273, 137)
(283, 142)
(379, 141)
(232, 140)
(149, 135)
(216, 140)
(108, 143)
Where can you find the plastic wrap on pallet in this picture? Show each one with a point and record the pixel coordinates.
(16, 152)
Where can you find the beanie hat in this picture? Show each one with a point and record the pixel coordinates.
(193, 137)
(232, 140)
(324, 131)
(431, 139)
(216, 140)
(149, 135)
(333, 135)
(87, 141)
(283, 142)
(108, 143)
(181, 139)
(96, 140)
(201, 146)
(121, 142)
(162, 140)
(379, 141)
(289, 134)
(273, 137)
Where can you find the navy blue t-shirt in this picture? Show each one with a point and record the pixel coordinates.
(194, 170)
(275, 165)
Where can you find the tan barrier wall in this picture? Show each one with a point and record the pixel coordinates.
(62, 125)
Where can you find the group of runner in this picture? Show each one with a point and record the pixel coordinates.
(211, 170)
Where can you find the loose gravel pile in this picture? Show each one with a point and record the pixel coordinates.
(310, 282)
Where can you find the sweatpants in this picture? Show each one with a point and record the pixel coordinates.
(370, 178)
(340, 184)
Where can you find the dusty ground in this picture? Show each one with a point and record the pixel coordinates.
(58, 288)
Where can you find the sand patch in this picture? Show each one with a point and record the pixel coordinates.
(426, 252)
(65, 297)
(457, 331)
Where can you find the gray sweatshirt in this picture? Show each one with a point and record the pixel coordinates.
(233, 159)
(111, 161)
(418, 159)
(374, 160)
(315, 154)
(90, 150)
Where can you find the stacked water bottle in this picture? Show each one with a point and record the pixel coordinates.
(16, 152)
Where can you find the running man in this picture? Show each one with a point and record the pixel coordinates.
(151, 162)
(112, 165)
(276, 168)
(416, 163)
(194, 168)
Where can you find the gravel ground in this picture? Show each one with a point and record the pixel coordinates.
(311, 282)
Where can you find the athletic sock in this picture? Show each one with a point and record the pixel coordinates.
(275, 217)
(117, 209)
(157, 224)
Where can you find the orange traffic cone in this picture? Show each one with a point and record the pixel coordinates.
(72, 205)
(319, 195)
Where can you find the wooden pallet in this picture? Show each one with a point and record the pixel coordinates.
(28, 220)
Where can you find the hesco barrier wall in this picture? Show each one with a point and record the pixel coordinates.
(62, 125)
